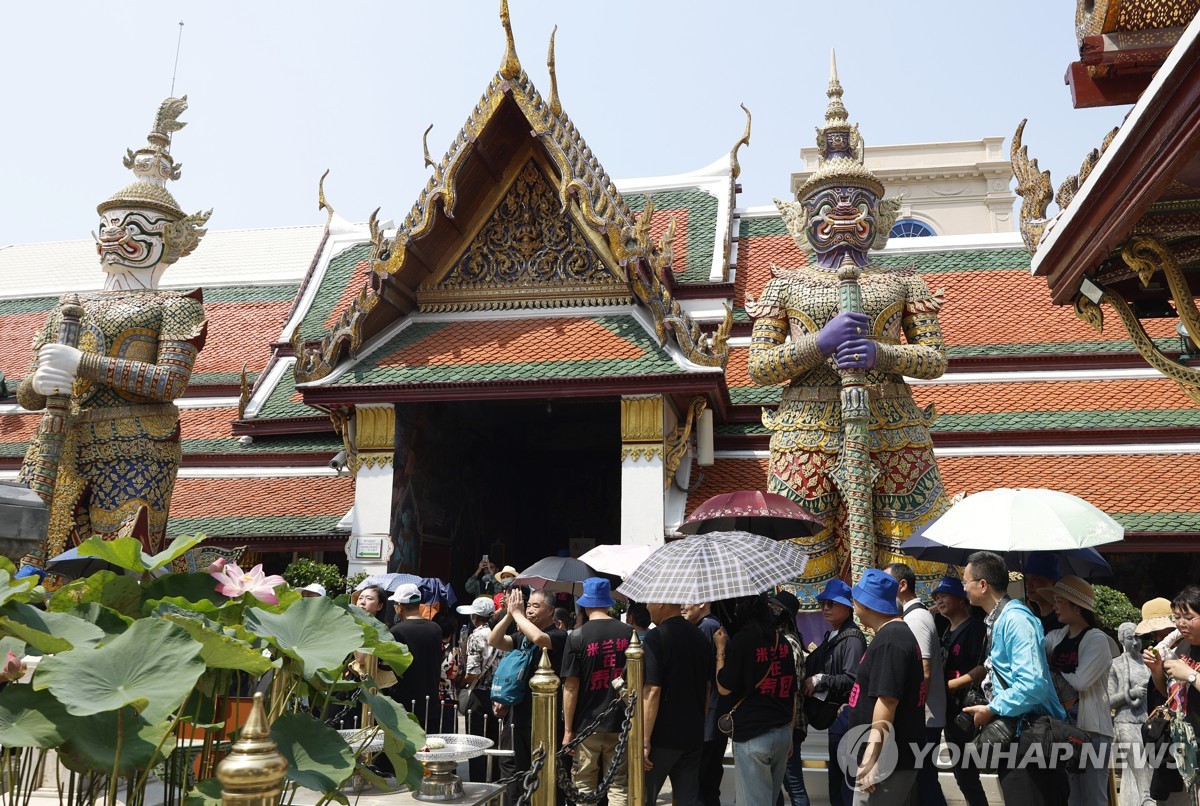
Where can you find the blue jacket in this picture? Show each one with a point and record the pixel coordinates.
(1020, 673)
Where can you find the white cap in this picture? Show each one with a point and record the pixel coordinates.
(482, 607)
(407, 593)
(315, 587)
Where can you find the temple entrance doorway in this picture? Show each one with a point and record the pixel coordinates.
(515, 480)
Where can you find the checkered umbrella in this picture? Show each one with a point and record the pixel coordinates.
(714, 566)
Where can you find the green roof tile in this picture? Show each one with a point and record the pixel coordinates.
(751, 227)
(279, 403)
(253, 525)
(333, 287)
(701, 226)
(1158, 521)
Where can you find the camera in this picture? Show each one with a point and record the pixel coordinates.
(965, 722)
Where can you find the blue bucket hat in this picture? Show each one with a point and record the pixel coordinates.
(1043, 564)
(596, 593)
(877, 590)
(836, 591)
(952, 586)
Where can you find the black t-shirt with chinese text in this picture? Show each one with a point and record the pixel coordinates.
(1065, 655)
(963, 650)
(596, 655)
(892, 667)
(762, 672)
(421, 679)
(522, 712)
(680, 660)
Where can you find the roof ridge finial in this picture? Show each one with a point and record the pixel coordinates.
(555, 103)
(510, 68)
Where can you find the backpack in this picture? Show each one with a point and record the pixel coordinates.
(510, 680)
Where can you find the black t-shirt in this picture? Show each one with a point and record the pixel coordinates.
(680, 660)
(1065, 655)
(421, 679)
(963, 651)
(522, 712)
(892, 667)
(764, 673)
(596, 655)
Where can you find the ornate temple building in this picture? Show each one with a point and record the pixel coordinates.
(537, 357)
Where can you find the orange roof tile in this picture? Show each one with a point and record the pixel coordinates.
(16, 339)
(206, 423)
(514, 341)
(726, 476)
(355, 284)
(988, 398)
(658, 227)
(240, 332)
(18, 428)
(256, 497)
(754, 258)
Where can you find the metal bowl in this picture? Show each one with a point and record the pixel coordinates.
(459, 747)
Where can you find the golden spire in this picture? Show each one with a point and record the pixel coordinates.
(511, 66)
(322, 202)
(555, 104)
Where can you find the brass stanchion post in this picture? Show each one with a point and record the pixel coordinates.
(544, 686)
(635, 750)
(252, 773)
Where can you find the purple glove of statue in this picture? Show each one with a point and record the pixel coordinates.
(858, 353)
(841, 329)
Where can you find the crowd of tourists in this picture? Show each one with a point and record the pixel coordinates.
(973, 677)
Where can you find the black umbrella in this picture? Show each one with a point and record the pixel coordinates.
(1086, 563)
(556, 574)
(71, 564)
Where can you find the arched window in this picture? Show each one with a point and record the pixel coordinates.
(911, 228)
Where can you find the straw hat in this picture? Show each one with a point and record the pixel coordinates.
(1156, 615)
(1073, 589)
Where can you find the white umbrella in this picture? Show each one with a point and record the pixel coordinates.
(1026, 519)
(620, 559)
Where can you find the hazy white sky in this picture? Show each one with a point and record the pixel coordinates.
(281, 91)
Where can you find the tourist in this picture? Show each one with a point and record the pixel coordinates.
(830, 670)
(1158, 620)
(534, 625)
(887, 695)
(477, 677)
(962, 651)
(372, 599)
(1080, 657)
(453, 663)
(483, 581)
(314, 590)
(638, 617)
(1176, 672)
(1128, 680)
(417, 688)
(755, 668)
(712, 756)
(784, 607)
(679, 668)
(918, 618)
(594, 658)
(505, 577)
(1015, 678)
(564, 619)
(1041, 571)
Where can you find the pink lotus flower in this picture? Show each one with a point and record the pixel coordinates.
(12, 669)
(217, 565)
(234, 582)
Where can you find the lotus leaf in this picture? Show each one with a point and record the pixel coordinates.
(30, 718)
(91, 742)
(220, 648)
(196, 587)
(15, 588)
(206, 793)
(396, 721)
(123, 552)
(318, 757)
(378, 641)
(13, 645)
(47, 631)
(408, 769)
(152, 666)
(117, 591)
(315, 632)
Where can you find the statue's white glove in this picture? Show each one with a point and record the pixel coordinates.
(58, 365)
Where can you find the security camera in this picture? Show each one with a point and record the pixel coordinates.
(338, 462)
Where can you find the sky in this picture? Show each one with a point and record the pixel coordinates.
(280, 92)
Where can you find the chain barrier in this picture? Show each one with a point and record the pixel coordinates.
(565, 783)
(530, 780)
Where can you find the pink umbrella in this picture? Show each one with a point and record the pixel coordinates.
(766, 514)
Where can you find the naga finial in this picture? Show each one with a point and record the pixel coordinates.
(429, 163)
(555, 103)
(744, 141)
(511, 66)
(1035, 190)
(322, 202)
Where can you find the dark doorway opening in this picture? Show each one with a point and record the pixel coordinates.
(516, 480)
